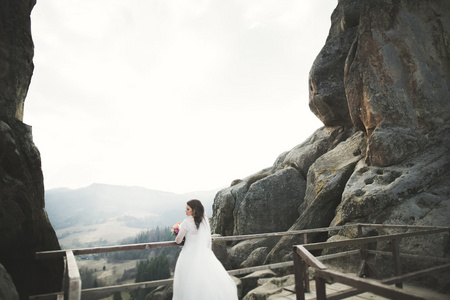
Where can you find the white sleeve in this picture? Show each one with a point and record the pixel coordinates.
(182, 233)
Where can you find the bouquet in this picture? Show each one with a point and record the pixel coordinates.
(176, 228)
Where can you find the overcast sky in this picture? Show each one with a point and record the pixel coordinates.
(171, 95)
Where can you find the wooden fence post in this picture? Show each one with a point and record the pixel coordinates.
(396, 258)
(73, 283)
(305, 266)
(299, 289)
(363, 254)
(321, 292)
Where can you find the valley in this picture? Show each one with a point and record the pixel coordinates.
(102, 215)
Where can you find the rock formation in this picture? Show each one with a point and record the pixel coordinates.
(7, 287)
(380, 85)
(24, 225)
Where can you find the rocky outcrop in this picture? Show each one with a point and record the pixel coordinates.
(239, 205)
(327, 178)
(250, 281)
(7, 287)
(271, 289)
(16, 56)
(381, 86)
(286, 184)
(24, 225)
(280, 189)
(396, 76)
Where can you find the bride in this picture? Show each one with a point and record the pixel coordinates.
(199, 274)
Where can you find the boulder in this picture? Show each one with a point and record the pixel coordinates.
(220, 251)
(271, 288)
(7, 287)
(301, 157)
(256, 257)
(250, 281)
(372, 191)
(247, 251)
(253, 205)
(271, 203)
(224, 208)
(325, 182)
(245, 198)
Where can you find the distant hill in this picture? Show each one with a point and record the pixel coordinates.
(103, 214)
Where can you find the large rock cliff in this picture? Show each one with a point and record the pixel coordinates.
(24, 225)
(380, 85)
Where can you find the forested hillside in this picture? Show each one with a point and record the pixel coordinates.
(106, 214)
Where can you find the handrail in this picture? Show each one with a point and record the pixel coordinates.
(371, 285)
(313, 261)
(156, 283)
(303, 259)
(309, 258)
(129, 286)
(367, 240)
(73, 279)
(141, 246)
(61, 253)
(82, 251)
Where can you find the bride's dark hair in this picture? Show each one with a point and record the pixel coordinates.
(198, 211)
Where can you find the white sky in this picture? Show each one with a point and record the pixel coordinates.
(171, 95)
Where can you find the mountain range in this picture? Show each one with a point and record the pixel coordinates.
(103, 214)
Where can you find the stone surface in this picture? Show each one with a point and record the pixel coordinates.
(7, 287)
(24, 225)
(250, 281)
(270, 288)
(396, 76)
(326, 83)
(271, 203)
(224, 206)
(304, 155)
(326, 181)
(256, 257)
(263, 202)
(239, 209)
(372, 191)
(238, 255)
(220, 251)
(16, 56)
(381, 86)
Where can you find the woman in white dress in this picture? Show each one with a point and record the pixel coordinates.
(199, 275)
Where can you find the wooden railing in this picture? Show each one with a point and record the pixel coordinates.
(72, 289)
(302, 259)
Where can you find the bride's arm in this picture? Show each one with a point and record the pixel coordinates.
(181, 233)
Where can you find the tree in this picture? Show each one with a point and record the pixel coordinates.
(117, 296)
(155, 269)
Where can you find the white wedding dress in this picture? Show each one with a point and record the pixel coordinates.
(199, 275)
